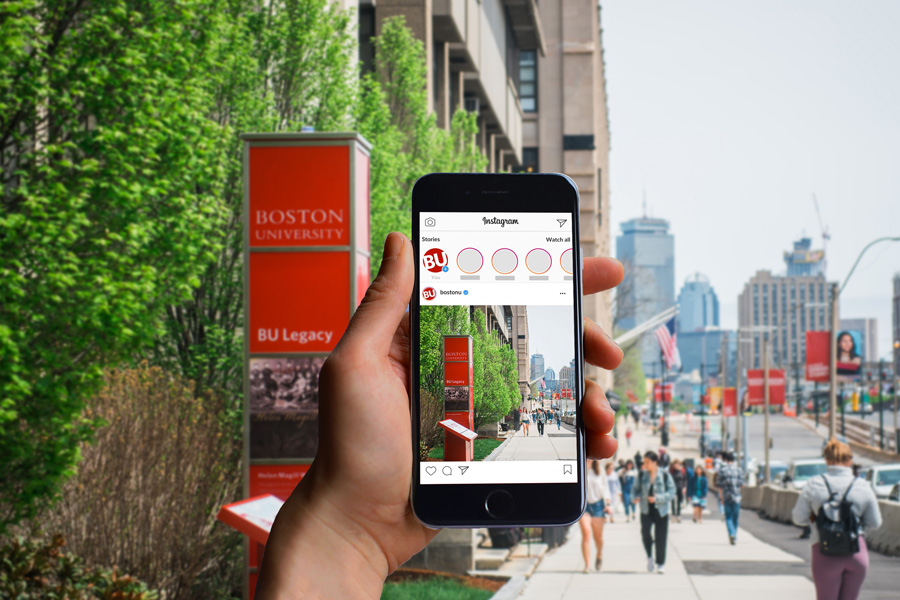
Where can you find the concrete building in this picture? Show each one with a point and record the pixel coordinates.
(566, 382)
(562, 90)
(537, 366)
(803, 261)
(698, 305)
(647, 250)
(472, 51)
(868, 329)
(791, 306)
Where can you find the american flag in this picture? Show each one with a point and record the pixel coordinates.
(665, 335)
(543, 385)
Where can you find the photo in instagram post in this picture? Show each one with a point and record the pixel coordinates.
(497, 383)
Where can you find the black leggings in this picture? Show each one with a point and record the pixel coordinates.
(676, 503)
(653, 519)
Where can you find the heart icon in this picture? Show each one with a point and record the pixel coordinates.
(430, 470)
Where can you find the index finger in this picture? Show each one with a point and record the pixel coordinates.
(601, 273)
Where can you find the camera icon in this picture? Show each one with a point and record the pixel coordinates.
(429, 222)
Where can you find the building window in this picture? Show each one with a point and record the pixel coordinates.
(528, 80)
(529, 161)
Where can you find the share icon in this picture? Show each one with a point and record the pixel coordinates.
(561, 222)
(462, 470)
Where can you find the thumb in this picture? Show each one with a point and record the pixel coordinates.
(376, 319)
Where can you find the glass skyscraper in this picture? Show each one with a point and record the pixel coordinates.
(647, 250)
(698, 305)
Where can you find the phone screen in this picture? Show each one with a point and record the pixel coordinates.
(499, 373)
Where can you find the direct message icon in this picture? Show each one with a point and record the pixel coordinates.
(462, 470)
(430, 470)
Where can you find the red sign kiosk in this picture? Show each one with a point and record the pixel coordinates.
(306, 268)
(458, 396)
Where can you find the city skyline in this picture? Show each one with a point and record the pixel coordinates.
(733, 165)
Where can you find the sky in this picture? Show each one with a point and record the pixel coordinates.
(729, 116)
(544, 326)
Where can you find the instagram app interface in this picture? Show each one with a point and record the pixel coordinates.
(498, 384)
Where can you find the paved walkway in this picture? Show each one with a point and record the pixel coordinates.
(555, 444)
(700, 561)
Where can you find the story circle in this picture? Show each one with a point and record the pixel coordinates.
(504, 261)
(469, 260)
(538, 261)
(565, 261)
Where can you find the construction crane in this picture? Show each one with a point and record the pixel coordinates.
(825, 235)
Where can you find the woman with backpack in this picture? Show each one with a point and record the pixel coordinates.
(654, 492)
(841, 510)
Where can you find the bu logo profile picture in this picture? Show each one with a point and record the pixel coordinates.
(435, 260)
(429, 293)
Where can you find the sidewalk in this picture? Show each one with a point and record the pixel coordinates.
(553, 445)
(697, 554)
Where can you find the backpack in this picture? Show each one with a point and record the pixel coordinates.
(838, 526)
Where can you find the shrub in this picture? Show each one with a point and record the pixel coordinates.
(31, 569)
(148, 488)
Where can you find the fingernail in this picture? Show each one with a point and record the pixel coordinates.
(393, 244)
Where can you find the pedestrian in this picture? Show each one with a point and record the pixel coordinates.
(730, 480)
(664, 458)
(628, 437)
(698, 497)
(717, 464)
(838, 577)
(677, 473)
(592, 522)
(638, 460)
(541, 419)
(654, 491)
(629, 476)
(615, 490)
(558, 420)
(526, 421)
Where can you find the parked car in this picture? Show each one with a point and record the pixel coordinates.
(802, 470)
(883, 477)
(777, 468)
(894, 496)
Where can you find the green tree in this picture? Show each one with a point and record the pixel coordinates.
(407, 143)
(283, 64)
(110, 209)
(495, 374)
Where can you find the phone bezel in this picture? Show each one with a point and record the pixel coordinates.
(462, 505)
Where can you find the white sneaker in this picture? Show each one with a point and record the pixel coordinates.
(650, 565)
(660, 569)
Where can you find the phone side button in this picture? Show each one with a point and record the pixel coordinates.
(499, 504)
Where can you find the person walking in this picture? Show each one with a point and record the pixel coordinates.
(526, 421)
(729, 481)
(541, 419)
(629, 476)
(654, 491)
(698, 496)
(558, 420)
(615, 490)
(677, 473)
(838, 577)
(628, 434)
(593, 519)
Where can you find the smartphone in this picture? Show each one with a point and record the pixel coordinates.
(496, 351)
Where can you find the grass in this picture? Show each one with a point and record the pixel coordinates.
(433, 588)
(483, 447)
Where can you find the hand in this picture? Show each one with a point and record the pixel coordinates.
(348, 524)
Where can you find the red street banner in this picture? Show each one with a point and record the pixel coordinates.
(755, 394)
(729, 402)
(818, 354)
(657, 393)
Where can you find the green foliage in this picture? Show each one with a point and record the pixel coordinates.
(32, 569)
(284, 64)
(433, 588)
(393, 114)
(110, 209)
(483, 447)
(495, 375)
